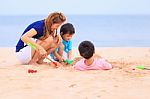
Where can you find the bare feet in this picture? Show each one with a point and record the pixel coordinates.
(33, 63)
(43, 63)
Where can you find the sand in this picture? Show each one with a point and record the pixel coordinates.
(122, 82)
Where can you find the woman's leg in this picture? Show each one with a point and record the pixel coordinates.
(40, 61)
(24, 55)
(48, 45)
(35, 55)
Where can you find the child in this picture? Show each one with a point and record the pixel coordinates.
(42, 37)
(89, 62)
(65, 49)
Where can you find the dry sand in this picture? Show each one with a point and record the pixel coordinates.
(122, 82)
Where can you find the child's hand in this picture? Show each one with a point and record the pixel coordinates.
(68, 61)
(76, 59)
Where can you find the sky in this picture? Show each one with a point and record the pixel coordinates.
(74, 7)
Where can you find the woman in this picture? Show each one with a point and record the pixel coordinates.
(43, 36)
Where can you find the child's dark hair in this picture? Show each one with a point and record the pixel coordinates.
(67, 29)
(86, 49)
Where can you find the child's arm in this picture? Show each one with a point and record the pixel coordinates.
(69, 54)
(105, 65)
(58, 56)
(58, 53)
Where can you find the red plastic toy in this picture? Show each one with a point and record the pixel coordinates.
(32, 71)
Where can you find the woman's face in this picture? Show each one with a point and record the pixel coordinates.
(55, 26)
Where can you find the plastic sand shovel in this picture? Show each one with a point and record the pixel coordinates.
(55, 63)
(68, 61)
(142, 68)
(31, 45)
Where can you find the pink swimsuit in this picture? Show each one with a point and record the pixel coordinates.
(98, 64)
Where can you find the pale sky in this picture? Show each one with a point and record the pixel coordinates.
(43, 7)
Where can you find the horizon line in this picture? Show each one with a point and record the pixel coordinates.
(77, 14)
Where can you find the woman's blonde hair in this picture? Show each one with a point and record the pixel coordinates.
(55, 17)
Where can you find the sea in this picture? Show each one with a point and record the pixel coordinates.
(102, 30)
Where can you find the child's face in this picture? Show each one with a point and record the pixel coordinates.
(67, 37)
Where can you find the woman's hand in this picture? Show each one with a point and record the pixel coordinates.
(42, 52)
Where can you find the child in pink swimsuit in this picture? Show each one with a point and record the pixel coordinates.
(89, 62)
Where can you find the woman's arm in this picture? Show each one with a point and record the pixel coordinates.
(27, 38)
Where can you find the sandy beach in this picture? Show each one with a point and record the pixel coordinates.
(124, 81)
